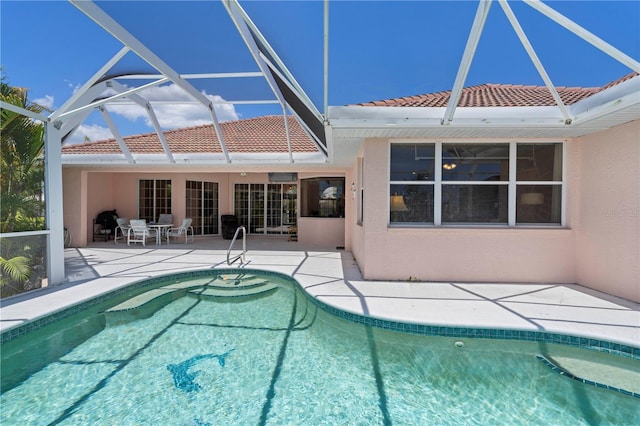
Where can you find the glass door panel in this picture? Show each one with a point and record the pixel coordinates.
(257, 207)
(202, 206)
(274, 209)
(210, 208)
(266, 208)
(241, 204)
(290, 205)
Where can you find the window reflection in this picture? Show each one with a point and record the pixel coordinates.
(473, 182)
(412, 162)
(411, 204)
(538, 203)
(475, 162)
(474, 203)
(539, 162)
(322, 197)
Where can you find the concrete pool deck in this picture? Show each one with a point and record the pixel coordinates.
(333, 277)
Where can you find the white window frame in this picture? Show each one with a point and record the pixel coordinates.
(265, 210)
(512, 184)
(156, 211)
(199, 227)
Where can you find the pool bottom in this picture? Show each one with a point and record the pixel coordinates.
(288, 362)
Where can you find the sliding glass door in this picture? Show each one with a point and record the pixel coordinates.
(202, 206)
(154, 198)
(266, 208)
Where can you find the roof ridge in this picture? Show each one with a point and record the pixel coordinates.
(179, 130)
(198, 126)
(498, 94)
(254, 134)
(620, 80)
(537, 86)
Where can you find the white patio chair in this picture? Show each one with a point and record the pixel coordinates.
(123, 227)
(181, 230)
(139, 232)
(165, 219)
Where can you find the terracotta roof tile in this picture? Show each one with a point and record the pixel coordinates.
(499, 95)
(260, 134)
(620, 80)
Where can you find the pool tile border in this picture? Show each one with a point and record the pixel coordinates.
(487, 333)
(568, 374)
(419, 329)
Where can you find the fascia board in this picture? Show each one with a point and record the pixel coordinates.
(629, 90)
(624, 107)
(371, 116)
(205, 158)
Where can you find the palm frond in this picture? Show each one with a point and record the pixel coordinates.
(16, 269)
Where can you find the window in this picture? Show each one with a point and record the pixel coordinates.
(412, 183)
(539, 183)
(322, 197)
(154, 198)
(483, 183)
(475, 180)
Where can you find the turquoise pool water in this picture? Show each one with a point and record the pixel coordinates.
(251, 350)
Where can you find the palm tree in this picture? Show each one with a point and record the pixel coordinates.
(14, 270)
(21, 184)
(22, 167)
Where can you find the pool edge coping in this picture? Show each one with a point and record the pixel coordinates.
(588, 343)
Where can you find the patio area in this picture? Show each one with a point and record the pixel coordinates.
(332, 276)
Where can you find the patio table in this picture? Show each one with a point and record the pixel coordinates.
(161, 229)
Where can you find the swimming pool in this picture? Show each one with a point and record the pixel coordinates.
(216, 347)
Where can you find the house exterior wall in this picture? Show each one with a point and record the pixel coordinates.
(75, 204)
(454, 253)
(607, 224)
(318, 231)
(88, 192)
(599, 247)
(99, 196)
(355, 231)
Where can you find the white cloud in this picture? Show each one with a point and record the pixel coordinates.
(171, 115)
(93, 132)
(175, 114)
(46, 102)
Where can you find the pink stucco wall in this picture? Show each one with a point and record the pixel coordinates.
(355, 230)
(88, 192)
(75, 204)
(454, 254)
(607, 224)
(599, 247)
(321, 232)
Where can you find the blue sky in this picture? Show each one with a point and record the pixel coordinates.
(378, 50)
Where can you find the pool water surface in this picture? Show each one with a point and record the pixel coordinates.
(251, 350)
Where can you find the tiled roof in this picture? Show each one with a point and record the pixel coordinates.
(260, 134)
(499, 95)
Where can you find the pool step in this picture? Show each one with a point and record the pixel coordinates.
(612, 377)
(228, 285)
(141, 299)
(185, 285)
(227, 280)
(237, 281)
(234, 292)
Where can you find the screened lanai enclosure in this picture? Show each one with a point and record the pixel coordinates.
(227, 61)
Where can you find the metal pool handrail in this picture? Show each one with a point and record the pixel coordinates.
(244, 246)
